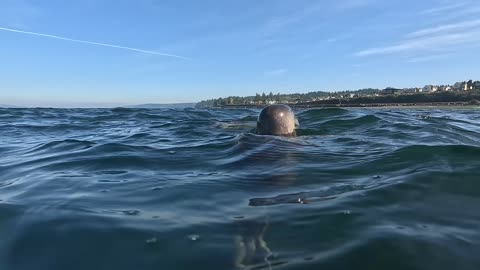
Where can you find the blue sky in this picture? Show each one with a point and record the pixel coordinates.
(109, 53)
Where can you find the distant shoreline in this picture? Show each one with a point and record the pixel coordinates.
(372, 105)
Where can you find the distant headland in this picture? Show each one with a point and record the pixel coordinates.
(458, 94)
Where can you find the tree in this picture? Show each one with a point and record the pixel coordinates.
(257, 98)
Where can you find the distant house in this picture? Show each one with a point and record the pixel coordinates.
(476, 85)
(443, 88)
(409, 90)
(458, 86)
(427, 89)
(464, 86)
(469, 85)
(391, 91)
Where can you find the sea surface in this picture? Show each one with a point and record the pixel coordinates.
(196, 189)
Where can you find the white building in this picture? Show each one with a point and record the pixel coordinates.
(430, 89)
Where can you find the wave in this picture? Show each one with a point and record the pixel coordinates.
(315, 114)
(69, 145)
(199, 183)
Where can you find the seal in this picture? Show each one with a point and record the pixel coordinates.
(278, 120)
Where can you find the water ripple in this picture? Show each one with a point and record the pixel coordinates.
(183, 189)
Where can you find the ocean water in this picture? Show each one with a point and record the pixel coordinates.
(195, 189)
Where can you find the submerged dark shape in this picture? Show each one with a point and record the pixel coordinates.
(276, 120)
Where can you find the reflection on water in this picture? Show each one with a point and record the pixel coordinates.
(195, 189)
(250, 245)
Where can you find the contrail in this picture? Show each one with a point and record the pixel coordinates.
(91, 43)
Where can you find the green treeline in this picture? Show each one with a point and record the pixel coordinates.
(359, 97)
(464, 96)
(260, 99)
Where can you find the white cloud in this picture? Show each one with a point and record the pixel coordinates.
(428, 58)
(445, 8)
(342, 37)
(358, 65)
(454, 27)
(352, 4)
(297, 14)
(276, 72)
(436, 42)
(443, 37)
(279, 23)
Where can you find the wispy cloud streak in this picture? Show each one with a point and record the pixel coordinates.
(352, 4)
(429, 58)
(445, 28)
(444, 8)
(422, 44)
(449, 36)
(276, 72)
(90, 42)
(316, 10)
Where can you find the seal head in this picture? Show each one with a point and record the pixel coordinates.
(276, 120)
